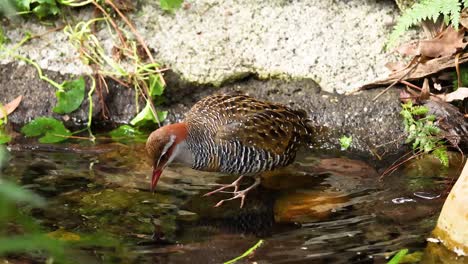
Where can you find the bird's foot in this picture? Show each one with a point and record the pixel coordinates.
(235, 184)
(240, 194)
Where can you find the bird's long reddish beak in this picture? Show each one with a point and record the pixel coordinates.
(154, 180)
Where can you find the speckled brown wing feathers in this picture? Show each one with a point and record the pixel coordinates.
(264, 125)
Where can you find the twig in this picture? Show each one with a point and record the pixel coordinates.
(413, 86)
(457, 68)
(396, 81)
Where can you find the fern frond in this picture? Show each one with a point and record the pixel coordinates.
(426, 9)
(431, 129)
(441, 154)
(450, 9)
(419, 110)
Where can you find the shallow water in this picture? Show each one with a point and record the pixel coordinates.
(318, 210)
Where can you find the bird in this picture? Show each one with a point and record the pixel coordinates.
(232, 134)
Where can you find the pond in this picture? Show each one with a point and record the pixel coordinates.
(321, 209)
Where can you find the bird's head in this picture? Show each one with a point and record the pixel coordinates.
(162, 147)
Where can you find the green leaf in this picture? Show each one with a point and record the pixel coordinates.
(156, 86)
(397, 258)
(23, 5)
(345, 142)
(45, 10)
(71, 97)
(53, 130)
(125, 133)
(170, 5)
(15, 193)
(147, 115)
(4, 137)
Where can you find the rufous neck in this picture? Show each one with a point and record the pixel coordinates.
(177, 129)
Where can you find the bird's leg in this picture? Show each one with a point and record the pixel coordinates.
(240, 194)
(234, 184)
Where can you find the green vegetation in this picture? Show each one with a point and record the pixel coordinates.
(32, 238)
(20, 233)
(345, 142)
(40, 8)
(128, 66)
(422, 132)
(50, 129)
(70, 97)
(427, 9)
(127, 133)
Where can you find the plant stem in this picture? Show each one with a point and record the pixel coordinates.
(39, 72)
(90, 109)
(248, 252)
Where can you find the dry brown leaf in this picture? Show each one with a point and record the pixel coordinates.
(460, 94)
(420, 71)
(405, 96)
(395, 66)
(11, 106)
(445, 44)
(409, 49)
(464, 17)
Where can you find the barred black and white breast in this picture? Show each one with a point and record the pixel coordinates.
(238, 134)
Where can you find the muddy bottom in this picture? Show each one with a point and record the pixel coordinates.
(321, 209)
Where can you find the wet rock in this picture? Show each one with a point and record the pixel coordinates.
(436, 253)
(301, 207)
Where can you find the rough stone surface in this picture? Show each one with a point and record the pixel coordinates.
(39, 98)
(339, 44)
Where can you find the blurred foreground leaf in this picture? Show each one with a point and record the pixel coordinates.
(14, 193)
(4, 137)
